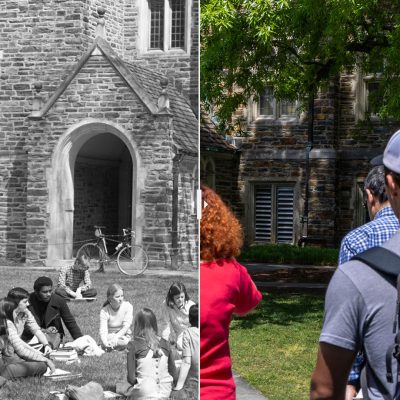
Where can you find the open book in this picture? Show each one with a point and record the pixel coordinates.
(61, 375)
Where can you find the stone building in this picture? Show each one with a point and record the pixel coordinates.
(98, 126)
(294, 187)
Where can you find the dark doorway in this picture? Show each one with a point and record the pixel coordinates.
(102, 188)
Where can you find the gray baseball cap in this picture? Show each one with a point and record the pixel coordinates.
(391, 156)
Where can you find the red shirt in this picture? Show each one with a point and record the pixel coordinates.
(225, 289)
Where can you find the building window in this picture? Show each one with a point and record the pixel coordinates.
(367, 96)
(156, 8)
(165, 25)
(273, 213)
(270, 109)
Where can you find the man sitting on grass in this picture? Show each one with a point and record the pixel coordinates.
(50, 310)
(70, 278)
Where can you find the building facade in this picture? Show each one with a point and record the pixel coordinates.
(300, 188)
(98, 127)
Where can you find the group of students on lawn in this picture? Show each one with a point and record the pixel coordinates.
(31, 327)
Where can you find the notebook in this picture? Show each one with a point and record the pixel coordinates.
(61, 375)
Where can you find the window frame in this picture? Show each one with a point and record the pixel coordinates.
(145, 27)
(277, 116)
(362, 104)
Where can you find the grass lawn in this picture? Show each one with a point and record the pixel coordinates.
(274, 348)
(145, 291)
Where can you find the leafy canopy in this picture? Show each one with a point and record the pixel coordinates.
(296, 46)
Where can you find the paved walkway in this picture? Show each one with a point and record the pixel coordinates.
(265, 267)
(246, 392)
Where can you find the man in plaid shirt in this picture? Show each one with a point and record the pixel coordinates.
(70, 278)
(383, 225)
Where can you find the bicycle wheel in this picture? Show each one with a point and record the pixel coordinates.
(132, 260)
(94, 253)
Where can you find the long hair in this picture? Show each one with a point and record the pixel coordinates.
(112, 289)
(7, 308)
(220, 231)
(145, 327)
(175, 289)
(194, 315)
(17, 294)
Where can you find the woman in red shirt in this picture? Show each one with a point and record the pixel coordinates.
(225, 289)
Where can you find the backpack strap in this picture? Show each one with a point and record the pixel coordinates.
(380, 259)
(386, 262)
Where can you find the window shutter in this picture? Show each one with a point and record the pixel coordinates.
(263, 213)
(284, 214)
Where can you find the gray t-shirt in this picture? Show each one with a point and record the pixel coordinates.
(360, 309)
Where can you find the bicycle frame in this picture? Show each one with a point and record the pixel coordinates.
(128, 235)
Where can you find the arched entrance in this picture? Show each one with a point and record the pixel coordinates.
(93, 180)
(102, 187)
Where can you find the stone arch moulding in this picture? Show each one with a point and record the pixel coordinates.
(60, 182)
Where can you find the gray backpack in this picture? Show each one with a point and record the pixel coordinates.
(387, 263)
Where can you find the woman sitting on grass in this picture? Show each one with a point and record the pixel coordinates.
(116, 318)
(175, 314)
(225, 289)
(18, 359)
(188, 381)
(151, 365)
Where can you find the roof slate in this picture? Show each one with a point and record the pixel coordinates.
(210, 140)
(185, 123)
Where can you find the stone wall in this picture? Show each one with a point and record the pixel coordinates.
(98, 93)
(339, 160)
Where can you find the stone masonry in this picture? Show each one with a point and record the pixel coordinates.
(275, 151)
(45, 42)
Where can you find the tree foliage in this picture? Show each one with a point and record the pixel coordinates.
(296, 46)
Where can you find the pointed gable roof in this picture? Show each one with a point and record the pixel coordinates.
(143, 83)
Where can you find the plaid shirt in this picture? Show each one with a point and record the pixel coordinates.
(374, 233)
(71, 278)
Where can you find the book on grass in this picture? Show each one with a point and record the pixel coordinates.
(61, 375)
(64, 354)
(83, 299)
(111, 395)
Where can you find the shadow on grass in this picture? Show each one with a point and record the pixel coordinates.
(282, 309)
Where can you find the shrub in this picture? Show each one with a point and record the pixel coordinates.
(289, 254)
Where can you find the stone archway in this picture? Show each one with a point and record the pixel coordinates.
(60, 180)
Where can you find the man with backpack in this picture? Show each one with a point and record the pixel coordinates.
(360, 310)
(383, 225)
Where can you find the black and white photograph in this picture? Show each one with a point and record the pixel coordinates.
(99, 249)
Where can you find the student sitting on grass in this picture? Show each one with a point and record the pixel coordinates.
(50, 311)
(188, 381)
(18, 359)
(24, 321)
(150, 362)
(70, 278)
(175, 314)
(116, 318)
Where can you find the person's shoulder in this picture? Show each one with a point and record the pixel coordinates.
(393, 244)
(57, 300)
(66, 268)
(353, 237)
(127, 305)
(190, 303)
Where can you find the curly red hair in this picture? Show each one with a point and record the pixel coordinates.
(220, 231)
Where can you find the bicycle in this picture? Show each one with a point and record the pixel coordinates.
(132, 259)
